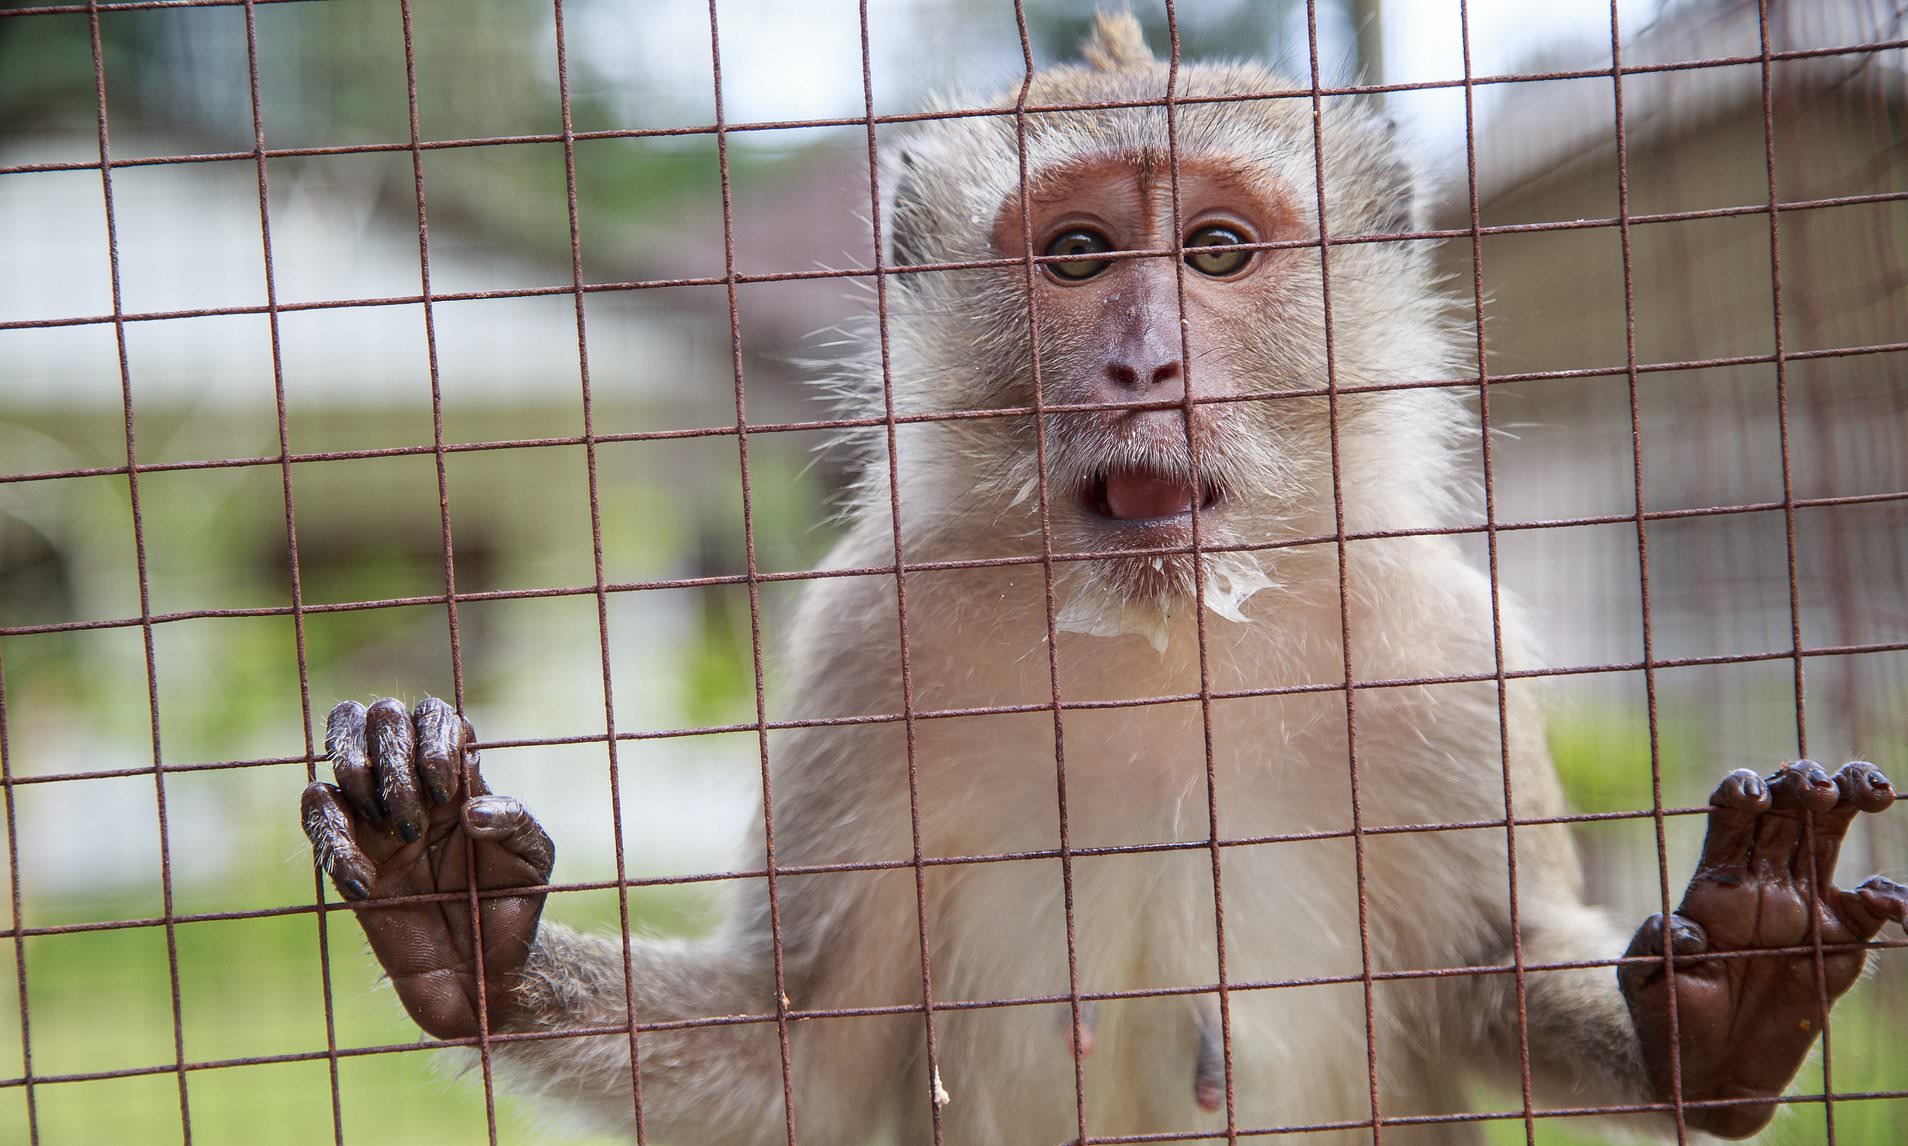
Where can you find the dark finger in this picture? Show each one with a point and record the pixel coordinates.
(1209, 1072)
(440, 754)
(1089, 1024)
(1865, 786)
(1794, 791)
(473, 779)
(1065, 1015)
(1735, 806)
(328, 827)
(344, 743)
(1871, 906)
(1685, 935)
(506, 821)
(1862, 788)
(391, 744)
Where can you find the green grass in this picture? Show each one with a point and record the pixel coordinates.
(102, 1001)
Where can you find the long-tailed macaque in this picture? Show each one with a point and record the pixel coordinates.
(1103, 951)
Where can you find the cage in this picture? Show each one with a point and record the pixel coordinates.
(377, 345)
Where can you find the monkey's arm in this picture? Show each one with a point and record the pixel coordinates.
(408, 809)
(717, 1084)
(1748, 996)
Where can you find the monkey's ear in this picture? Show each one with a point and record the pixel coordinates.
(907, 219)
(1116, 42)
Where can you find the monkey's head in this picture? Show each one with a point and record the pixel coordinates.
(1101, 322)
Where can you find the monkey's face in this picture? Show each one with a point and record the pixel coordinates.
(1178, 341)
(1128, 326)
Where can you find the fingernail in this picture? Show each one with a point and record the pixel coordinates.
(409, 831)
(439, 794)
(355, 889)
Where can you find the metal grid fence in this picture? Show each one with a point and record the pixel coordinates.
(1796, 654)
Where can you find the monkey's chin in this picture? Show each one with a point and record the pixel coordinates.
(1147, 506)
(1141, 596)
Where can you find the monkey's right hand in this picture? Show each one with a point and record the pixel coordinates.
(395, 826)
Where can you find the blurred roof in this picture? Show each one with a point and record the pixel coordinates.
(1546, 124)
(189, 241)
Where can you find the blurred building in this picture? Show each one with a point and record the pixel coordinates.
(1698, 279)
(357, 380)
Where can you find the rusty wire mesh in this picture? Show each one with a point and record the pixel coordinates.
(1872, 634)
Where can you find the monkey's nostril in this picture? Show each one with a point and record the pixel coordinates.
(1127, 376)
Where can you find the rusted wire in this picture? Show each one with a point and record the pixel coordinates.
(1340, 541)
(1050, 598)
(14, 898)
(1486, 462)
(754, 583)
(1633, 386)
(145, 589)
(601, 591)
(785, 1015)
(1007, 709)
(931, 1043)
(1788, 537)
(1229, 1093)
(296, 586)
(485, 1068)
(984, 264)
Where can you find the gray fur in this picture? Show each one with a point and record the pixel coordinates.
(961, 341)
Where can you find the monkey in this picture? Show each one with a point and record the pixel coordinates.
(1217, 886)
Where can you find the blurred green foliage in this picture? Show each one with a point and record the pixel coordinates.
(1603, 755)
(334, 74)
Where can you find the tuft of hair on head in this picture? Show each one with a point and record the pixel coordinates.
(1116, 43)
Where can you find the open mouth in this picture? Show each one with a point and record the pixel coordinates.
(1124, 494)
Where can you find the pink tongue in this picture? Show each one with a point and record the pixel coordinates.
(1134, 496)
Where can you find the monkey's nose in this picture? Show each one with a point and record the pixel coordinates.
(1127, 375)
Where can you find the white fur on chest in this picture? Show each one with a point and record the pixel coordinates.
(1143, 922)
(1143, 916)
(1141, 783)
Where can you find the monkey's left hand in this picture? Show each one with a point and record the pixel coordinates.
(1765, 883)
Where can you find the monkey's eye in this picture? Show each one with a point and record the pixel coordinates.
(1217, 264)
(1075, 244)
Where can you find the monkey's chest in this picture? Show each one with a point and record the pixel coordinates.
(1127, 919)
(1144, 952)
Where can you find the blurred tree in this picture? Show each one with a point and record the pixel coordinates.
(333, 74)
